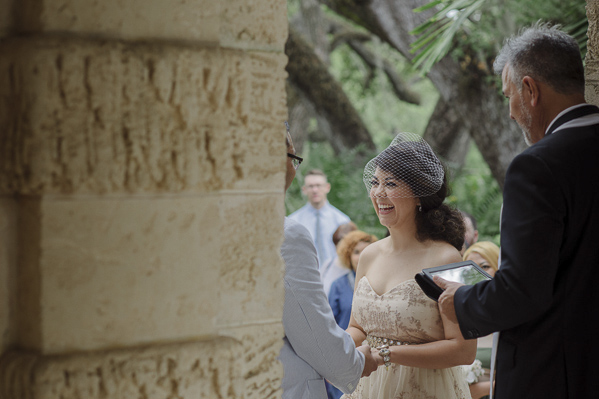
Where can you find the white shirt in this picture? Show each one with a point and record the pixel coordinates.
(330, 219)
(587, 120)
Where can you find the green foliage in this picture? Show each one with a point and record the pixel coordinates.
(383, 113)
(475, 190)
(437, 34)
(481, 25)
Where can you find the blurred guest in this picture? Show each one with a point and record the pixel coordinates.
(471, 234)
(318, 215)
(333, 269)
(486, 255)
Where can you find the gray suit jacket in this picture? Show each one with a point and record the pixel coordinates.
(314, 346)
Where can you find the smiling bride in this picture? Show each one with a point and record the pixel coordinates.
(419, 350)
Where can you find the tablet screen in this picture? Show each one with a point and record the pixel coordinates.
(465, 274)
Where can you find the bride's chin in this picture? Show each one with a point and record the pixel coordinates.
(383, 222)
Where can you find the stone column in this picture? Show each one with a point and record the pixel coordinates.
(141, 198)
(592, 57)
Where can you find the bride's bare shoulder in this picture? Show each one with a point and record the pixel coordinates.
(370, 253)
(375, 248)
(444, 253)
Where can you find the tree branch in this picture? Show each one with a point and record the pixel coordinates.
(312, 78)
(400, 88)
(355, 40)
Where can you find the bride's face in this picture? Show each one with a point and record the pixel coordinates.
(388, 198)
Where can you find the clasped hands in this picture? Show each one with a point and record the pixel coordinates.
(373, 359)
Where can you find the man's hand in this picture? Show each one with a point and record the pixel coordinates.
(370, 363)
(446, 305)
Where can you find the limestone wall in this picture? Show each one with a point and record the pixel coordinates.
(141, 198)
(6, 17)
(7, 226)
(592, 58)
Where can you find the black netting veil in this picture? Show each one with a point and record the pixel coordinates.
(407, 168)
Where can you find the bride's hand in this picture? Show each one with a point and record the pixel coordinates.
(370, 360)
(377, 356)
(446, 305)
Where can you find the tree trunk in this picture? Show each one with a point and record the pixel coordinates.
(447, 135)
(312, 79)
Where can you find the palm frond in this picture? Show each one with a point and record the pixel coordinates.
(438, 33)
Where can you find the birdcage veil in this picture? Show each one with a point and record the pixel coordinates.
(407, 168)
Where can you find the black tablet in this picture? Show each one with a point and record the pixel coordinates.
(466, 272)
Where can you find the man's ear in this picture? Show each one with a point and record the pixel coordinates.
(530, 90)
(327, 188)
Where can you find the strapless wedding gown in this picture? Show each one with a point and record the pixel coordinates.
(407, 315)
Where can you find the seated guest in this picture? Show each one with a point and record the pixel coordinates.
(342, 289)
(332, 269)
(486, 255)
(471, 233)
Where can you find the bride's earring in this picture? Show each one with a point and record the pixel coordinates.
(420, 208)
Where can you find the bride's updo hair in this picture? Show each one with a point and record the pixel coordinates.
(439, 221)
(411, 160)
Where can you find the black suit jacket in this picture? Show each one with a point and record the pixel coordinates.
(545, 297)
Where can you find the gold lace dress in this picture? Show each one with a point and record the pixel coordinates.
(404, 314)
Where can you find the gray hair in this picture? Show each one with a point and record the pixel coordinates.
(546, 54)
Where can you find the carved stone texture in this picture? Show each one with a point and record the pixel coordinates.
(593, 30)
(92, 117)
(259, 24)
(592, 57)
(126, 19)
(263, 371)
(101, 273)
(8, 253)
(6, 17)
(256, 24)
(592, 81)
(202, 370)
(251, 269)
(251, 288)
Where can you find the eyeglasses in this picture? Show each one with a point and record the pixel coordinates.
(311, 186)
(295, 160)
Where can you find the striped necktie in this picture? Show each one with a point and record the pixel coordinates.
(319, 245)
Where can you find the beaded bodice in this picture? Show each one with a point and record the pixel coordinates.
(404, 313)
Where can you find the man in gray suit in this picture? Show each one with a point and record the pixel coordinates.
(314, 346)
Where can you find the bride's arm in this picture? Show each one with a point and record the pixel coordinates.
(355, 331)
(452, 351)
